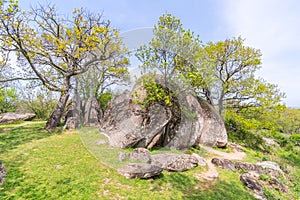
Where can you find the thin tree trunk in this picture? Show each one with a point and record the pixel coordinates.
(55, 117)
(221, 102)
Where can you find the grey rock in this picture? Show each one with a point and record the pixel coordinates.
(140, 154)
(83, 112)
(267, 167)
(140, 170)
(190, 121)
(214, 131)
(10, 117)
(174, 162)
(271, 166)
(275, 182)
(73, 114)
(2, 173)
(92, 112)
(201, 160)
(253, 185)
(224, 163)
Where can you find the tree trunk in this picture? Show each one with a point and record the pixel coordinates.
(55, 117)
(221, 102)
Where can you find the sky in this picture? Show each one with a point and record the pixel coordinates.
(272, 26)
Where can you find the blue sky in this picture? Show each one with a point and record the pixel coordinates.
(270, 25)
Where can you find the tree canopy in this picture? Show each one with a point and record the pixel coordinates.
(53, 48)
(221, 72)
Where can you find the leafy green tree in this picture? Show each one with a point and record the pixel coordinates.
(173, 49)
(234, 65)
(99, 79)
(171, 45)
(8, 100)
(54, 48)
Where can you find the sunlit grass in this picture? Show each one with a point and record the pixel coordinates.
(43, 165)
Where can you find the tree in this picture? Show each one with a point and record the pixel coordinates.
(234, 66)
(54, 49)
(98, 80)
(39, 101)
(171, 48)
(222, 72)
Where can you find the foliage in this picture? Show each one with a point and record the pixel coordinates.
(289, 121)
(238, 133)
(41, 102)
(99, 79)
(8, 100)
(53, 48)
(171, 48)
(104, 98)
(221, 72)
(156, 93)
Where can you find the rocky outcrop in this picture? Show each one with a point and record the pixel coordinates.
(175, 162)
(267, 167)
(92, 112)
(252, 184)
(80, 112)
(73, 114)
(140, 170)
(252, 179)
(165, 161)
(7, 118)
(2, 173)
(189, 121)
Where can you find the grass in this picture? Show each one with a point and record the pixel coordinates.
(41, 165)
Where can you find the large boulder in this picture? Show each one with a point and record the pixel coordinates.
(7, 118)
(189, 121)
(176, 162)
(2, 173)
(92, 112)
(86, 112)
(140, 170)
(73, 114)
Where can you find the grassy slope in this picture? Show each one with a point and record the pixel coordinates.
(59, 166)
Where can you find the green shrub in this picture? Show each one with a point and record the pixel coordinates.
(237, 133)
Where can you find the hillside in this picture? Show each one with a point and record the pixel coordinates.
(43, 165)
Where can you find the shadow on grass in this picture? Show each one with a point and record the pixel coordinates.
(21, 135)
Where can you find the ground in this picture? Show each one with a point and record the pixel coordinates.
(44, 165)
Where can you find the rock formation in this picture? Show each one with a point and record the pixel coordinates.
(189, 121)
(6, 118)
(252, 178)
(140, 170)
(79, 112)
(152, 165)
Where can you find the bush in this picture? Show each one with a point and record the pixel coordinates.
(237, 133)
(8, 100)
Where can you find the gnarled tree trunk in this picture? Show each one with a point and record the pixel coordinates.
(55, 117)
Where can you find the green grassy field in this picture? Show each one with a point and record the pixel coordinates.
(43, 165)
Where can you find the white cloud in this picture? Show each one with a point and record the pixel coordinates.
(272, 26)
